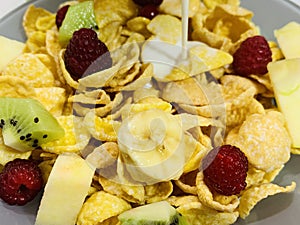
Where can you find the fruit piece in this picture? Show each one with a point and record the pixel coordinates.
(225, 170)
(285, 78)
(10, 49)
(152, 144)
(148, 2)
(26, 124)
(148, 11)
(60, 15)
(78, 16)
(20, 181)
(288, 39)
(158, 213)
(252, 57)
(86, 54)
(65, 191)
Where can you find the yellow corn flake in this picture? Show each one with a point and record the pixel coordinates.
(16, 87)
(53, 98)
(202, 34)
(102, 129)
(100, 207)
(45, 23)
(29, 67)
(139, 25)
(242, 83)
(158, 192)
(166, 27)
(213, 3)
(75, 139)
(145, 104)
(199, 152)
(130, 192)
(264, 140)
(35, 43)
(140, 80)
(31, 16)
(240, 102)
(173, 7)
(206, 197)
(225, 27)
(8, 154)
(255, 194)
(198, 214)
(111, 35)
(93, 97)
(121, 79)
(120, 11)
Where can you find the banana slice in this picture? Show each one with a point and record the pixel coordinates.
(152, 146)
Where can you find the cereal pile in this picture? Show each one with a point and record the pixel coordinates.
(106, 112)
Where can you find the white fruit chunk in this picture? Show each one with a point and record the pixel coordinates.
(65, 191)
(10, 49)
(285, 77)
(153, 146)
(288, 39)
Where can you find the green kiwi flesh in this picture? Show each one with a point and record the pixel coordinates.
(26, 124)
(158, 213)
(80, 15)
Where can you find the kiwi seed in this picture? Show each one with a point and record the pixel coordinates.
(36, 119)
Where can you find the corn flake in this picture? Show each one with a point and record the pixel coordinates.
(16, 87)
(257, 193)
(53, 98)
(264, 140)
(28, 66)
(173, 7)
(75, 139)
(102, 129)
(107, 204)
(198, 214)
(31, 17)
(206, 197)
(130, 192)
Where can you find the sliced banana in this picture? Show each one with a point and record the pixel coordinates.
(152, 146)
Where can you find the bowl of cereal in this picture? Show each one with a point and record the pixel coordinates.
(130, 124)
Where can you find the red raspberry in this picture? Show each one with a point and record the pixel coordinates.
(86, 54)
(60, 15)
(252, 57)
(20, 181)
(225, 170)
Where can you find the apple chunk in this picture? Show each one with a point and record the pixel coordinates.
(10, 49)
(285, 77)
(65, 191)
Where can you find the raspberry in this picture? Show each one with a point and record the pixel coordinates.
(225, 170)
(60, 15)
(252, 57)
(20, 181)
(82, 55)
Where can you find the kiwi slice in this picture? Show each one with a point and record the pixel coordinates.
(26, 124)
(80, 15)
(158, 213)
